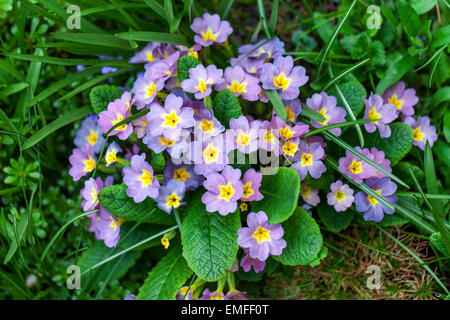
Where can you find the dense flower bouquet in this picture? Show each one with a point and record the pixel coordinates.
(235, 159)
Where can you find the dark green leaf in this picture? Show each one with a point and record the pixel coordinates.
(333, 220)
(101, 95)
(184, 64)
(226, 106)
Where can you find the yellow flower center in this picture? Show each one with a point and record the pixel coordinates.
(216, 297)
(290, 114)
(290, 148)
(268, 136)
(286, 133)
(243, 139)
(207, 126)
(307, 159)
(306, 191)
(261, 234)
(173, 200)
(150, 57)
(111, 157)
(281, 81)
(202, 85)
(151, 89)
(181, 174)
(323, 112)
(238, 87)
(398, 103)
(226, 191)
(248, 191)
(243, 206)
(94, 195)
(339, 196)
(171, 119)
(372, 200)
(166, 142)
(209, 35)
(119, 119)
(165, 242)
(193, 54)
(89, 164)
(418, 134)
(210, 154)
(355, 167)
(92, 138)
(373, 114)
(146, 178)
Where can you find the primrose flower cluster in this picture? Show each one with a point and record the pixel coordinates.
(176, 120)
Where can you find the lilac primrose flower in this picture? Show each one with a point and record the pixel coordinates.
(248, 262)
(109, 228)
(164, 68)
(90, 192)
(117, 111)
(326, 106)
(145, 89)
(376, 109)
(152, 52)
(356, 168)
(192, 51)
(111, 153)
(293, 109)
(251, 182)
(268, 138)
(216, 295)
(252, 66)
(281, 74)
(240, 83)
(236, 295)
(310, 160)
(290, 148)
(91, 133)
(245, 134)
(140, 180)
(210, 29)
(130, 297)
(223, 191)
(206, 124)
(170, 119)
(422, 131)
(184, 293)
(341, 196)
(374, 210)
(140, 126)
(184, 173)
(261, 237)
(170, 195)
(379, 158)
(286, 131)
(403, 100)
(263, 49)
(130, 153)
(175, 147)
(208, 155)
(310, 195)
(201, 80)
(83, 161)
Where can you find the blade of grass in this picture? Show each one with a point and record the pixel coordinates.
(335, 33)
(344, 73)
(346, 146)
(337, 125)
(224, 8)
(274, 16)
(97, 39)
(60, 122)
(418, 194)
(9, 68)
(312, 114)
(277, 103)
(262, 16)
(154, 36)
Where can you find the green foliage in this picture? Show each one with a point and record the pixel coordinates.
(226, 106)
(184, 64)
(333, 220)
(436, 240)
(281, 192)
(166, 278)
(102, 95)
(402, 171)
(303, 238)
(114, 199)
(209, 239)
(353, 92)
(322, 255)
(397, 145)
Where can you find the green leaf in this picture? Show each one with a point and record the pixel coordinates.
(333, 220)
(409, 18)
(436, 240)
(397, 145)
(60, 122)
(154, 36)
(423, 6)
(447, 126)
(158, 161)
(442, 151)
(226, 106)
(96, 39)
(209, 239)
(353, 92)
(312, 114)
(166, 278)
(114, 199)
(322, 255)
(101, 95)
(390, 220)
(402, 171)
(184, 64)
(281, 192)
(441, 95)
(278, 105)
(395, 72)
(303, 238)
(441, 37)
